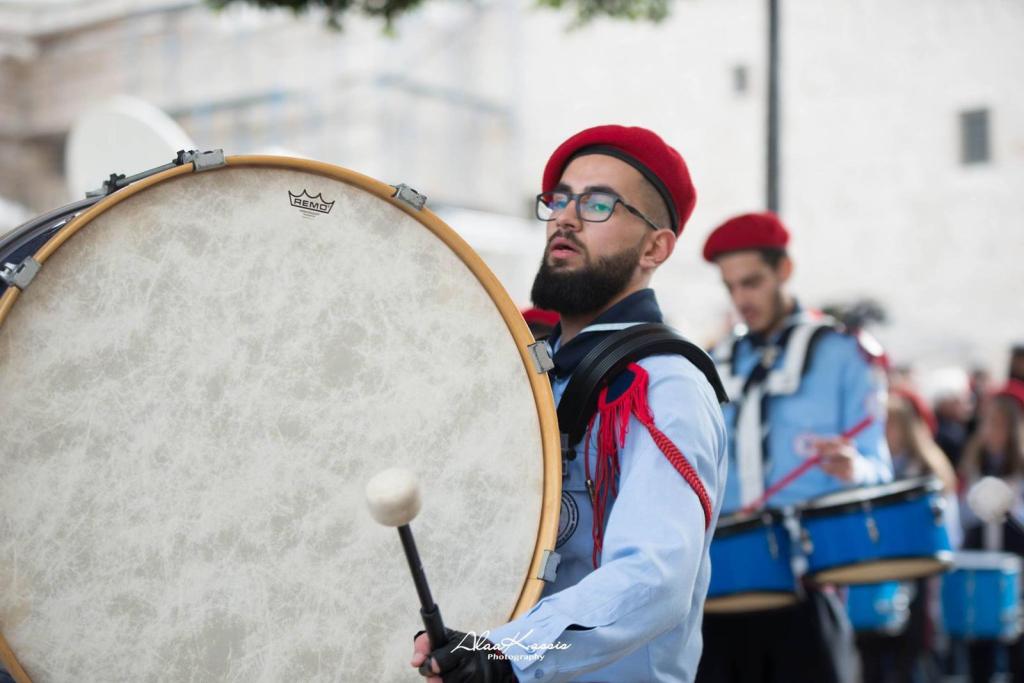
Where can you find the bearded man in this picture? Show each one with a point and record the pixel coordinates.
(640, 497)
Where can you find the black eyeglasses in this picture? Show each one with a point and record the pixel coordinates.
(593, 207)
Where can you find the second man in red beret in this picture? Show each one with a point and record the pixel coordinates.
(796, 380)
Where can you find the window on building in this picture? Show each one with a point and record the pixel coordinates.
(740, 80)
(974, 136)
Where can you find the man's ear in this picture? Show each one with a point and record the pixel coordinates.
(785, 269)
(659, 247)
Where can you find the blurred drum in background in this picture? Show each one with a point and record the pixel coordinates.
(981, 597)
(878, 533)
(882, 608)
(197, 384)
(751, 564)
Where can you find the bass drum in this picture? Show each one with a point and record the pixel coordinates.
(197, 385)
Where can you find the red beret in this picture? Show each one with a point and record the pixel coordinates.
(540, 316)
(919, 405)
(661, 165)
(1015, 390)
(750, 231)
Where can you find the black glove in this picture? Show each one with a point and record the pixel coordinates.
(478, 660)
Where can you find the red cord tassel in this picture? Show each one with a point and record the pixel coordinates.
(612, 436)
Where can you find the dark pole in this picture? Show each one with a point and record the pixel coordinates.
(773, 178)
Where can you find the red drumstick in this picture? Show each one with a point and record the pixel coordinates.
(797, 471)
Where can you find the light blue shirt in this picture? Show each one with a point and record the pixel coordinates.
(839, 389)
(638, 616)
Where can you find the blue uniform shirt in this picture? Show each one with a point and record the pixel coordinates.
(840, 387)
(638, 616)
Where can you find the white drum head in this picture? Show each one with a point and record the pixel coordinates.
(984, 560)
(198, 385)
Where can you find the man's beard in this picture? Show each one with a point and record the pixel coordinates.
(586, 290)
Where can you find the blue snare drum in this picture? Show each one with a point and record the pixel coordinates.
(750, 564)
(981, 596)
(879, 607)
(890, 532)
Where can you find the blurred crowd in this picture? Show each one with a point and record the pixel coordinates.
(959, 425)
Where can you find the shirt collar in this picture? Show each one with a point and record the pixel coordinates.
(638, 307)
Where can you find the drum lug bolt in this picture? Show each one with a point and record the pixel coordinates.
(806, 544)
(872, 529)
(773, 544)
(869, 522)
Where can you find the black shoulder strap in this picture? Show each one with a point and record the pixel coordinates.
(611, 356)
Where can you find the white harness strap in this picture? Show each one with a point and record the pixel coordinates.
(749, 440)
(750, 430)
(786, 379)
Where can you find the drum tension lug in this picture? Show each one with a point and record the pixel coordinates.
(549, 566)
(773, 543)
(20, 276)
(869, 522)
(939, 511)
(542, 359)
(806, 544)
(410, 196)
(210, 159)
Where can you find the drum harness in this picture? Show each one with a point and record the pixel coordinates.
(586, 397)
(797, 342)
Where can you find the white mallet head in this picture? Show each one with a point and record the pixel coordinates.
(393, 497)
(991, 498)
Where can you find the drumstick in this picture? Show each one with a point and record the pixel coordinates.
(11, 662)
(797, 471)
(393, 497)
